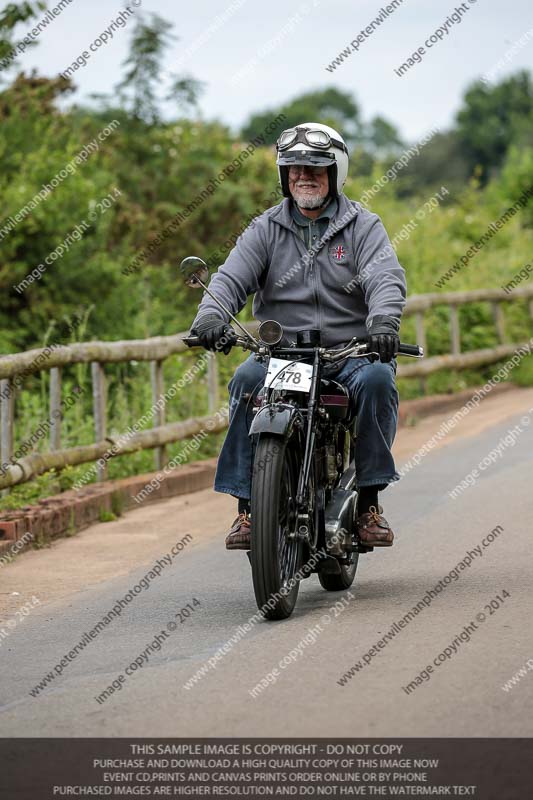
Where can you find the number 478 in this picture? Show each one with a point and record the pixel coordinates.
(288, 376)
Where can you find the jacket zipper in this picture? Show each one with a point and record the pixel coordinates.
(317, 296)
(312, 273)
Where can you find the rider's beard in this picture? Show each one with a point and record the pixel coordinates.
(308, 200)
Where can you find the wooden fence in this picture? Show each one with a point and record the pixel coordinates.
(155, 350)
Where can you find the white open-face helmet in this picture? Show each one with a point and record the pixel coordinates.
(316, 145)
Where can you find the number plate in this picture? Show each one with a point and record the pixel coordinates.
(295, 376)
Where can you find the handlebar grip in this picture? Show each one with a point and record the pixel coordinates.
(191, 341)
(410, 349)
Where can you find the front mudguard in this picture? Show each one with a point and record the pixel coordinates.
(278, 419)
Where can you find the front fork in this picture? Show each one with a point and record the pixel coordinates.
(305, 504)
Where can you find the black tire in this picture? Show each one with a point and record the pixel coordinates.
(274, 558)
(337, 583)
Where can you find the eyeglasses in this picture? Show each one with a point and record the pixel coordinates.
(296, 169)
(310, 136)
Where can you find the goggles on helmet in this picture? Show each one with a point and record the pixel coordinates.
(312, 137)
(309, 157)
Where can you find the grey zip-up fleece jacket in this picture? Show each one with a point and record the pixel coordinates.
(351, 275)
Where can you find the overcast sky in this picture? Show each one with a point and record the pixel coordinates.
(281, 49)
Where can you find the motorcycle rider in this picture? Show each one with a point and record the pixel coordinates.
(315, 260)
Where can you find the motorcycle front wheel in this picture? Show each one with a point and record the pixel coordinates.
(275, 558)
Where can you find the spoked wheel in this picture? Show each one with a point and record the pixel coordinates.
(275, 558)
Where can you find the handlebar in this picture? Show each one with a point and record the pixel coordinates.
(356, 346)
(413, 350)
(191, 341)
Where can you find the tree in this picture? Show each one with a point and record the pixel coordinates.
(441, 161)
(28, 90)
(493, 118)
(138, 90)
(11, 15)
(383, 138)
(330, 106)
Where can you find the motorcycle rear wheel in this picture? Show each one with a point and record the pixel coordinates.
(337, 583)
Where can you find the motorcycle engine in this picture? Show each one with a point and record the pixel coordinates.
(331, 462)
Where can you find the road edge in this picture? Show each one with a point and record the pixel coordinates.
(68, 513)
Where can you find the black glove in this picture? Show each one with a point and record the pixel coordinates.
(214, 333)
(383, 337)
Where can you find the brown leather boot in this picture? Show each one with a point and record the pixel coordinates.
(374, 530)
(238, 537)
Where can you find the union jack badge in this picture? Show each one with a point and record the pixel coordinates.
(338, 254)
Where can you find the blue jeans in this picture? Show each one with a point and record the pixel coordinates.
(373, 398)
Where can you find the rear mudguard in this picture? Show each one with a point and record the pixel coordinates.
(278, 419)
(340, 520)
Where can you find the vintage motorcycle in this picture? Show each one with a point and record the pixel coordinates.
(303, 502)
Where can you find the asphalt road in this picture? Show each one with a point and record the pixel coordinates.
(78, 580)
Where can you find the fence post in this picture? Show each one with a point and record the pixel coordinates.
(99, 411)
(156, 379)
(530, 307)
(55, 408)
(213, 397)
(499, 321)
(6, 423)
(421, 340)
(455, 331)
